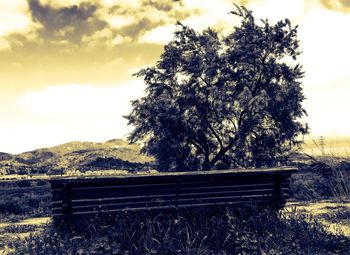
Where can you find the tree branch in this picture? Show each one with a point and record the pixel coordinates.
(223, 151)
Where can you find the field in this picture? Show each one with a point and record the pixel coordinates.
(333, 146)
(315, 221)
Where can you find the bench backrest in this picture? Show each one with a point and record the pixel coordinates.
(75, 198)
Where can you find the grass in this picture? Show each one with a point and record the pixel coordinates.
(324, 178)
(340, 215)
(333, 215)
(25, 197)
(334, 146)
(191, 232)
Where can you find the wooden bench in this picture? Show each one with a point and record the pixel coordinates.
(74, 198)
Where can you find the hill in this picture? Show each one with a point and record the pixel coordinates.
(82, 156)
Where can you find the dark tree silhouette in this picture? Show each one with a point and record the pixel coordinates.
(215, 102)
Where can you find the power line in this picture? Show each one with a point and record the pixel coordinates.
(322, 143)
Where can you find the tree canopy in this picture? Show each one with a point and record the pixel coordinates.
(215, 101)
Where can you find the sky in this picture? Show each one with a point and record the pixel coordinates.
(66, 65)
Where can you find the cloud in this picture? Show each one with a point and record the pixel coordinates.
(74, 20)
(136, 19)
(76, 26)
(68, 112)
(80, 100)
(67, 22)
(159, 35)
(325, 46)
(327, 106)
(278, 10)
(338, 5)
(13, 16)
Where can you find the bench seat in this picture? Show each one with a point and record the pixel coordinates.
(74, 198)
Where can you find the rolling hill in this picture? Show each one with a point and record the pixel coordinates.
(82, 156)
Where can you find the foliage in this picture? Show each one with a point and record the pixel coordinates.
(215, 101)
(323, 178)
(34, 198)
(198, 232)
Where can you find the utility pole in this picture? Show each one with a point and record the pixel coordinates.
(322, 143)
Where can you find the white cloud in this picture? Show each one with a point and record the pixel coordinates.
(131, 4)
(277, 10)
(13, 17)
(119, 21)
(327, 107)
(325, 46)
(211, 14)
(4, 44)
(70, 112)
(325, 58)
(61, 3)
(77, 99)
(160, 35)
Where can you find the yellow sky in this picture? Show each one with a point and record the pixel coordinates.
(66, 65)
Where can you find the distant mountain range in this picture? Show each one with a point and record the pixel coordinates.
(82, 156)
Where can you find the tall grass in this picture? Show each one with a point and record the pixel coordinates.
(191, 232)
(337, 175)
(25, 197)
(323, 178)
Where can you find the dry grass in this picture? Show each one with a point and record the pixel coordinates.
(334, 147)
(334, 216)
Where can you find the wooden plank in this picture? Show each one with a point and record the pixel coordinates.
(89, 194)
(57, 203)
(227, 188)
(171, 207)
(170, 181)
(121, 200)
(181, 201)
(103, 201)
(119, 192)
(181, 182)
(225, 193)
(130, 205)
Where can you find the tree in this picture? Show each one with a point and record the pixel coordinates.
(215, 102)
